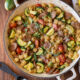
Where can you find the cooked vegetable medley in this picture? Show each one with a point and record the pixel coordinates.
(44, 39)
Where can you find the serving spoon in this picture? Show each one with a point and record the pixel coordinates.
(5, 68)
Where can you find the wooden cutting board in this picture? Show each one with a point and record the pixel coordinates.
(4, 58)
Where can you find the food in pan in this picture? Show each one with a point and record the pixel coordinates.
(44, 39)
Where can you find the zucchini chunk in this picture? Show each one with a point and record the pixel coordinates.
(28, 44)
(50, 32)
(71, 44)
(35, 57)
(27, 12)
(28, 58)
(12, 34)
(32, 46)
(63, 66)
(50, 64)
(21, 42)
(60, 16)
(78, 43)
(23, 48)
(45, 29)
(63, 20)
(29, 66)
(36, 34)
(41, 67)
(40, 51)
(33, 12)
(70, 29)
(58, 9)
(17, 18)
(30, 20)
(69, 21)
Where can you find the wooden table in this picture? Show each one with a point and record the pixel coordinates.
(3, 56)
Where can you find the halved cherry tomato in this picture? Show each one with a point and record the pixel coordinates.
(13, 25)
(55, 27)
(71, 38)
(41, 21)
(31, 15)
(18, 50)
(61, 48)
(48, 69)
(38, 5)
(62, 58)
(36, 43)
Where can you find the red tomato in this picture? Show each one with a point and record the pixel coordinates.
(61, 48)
(62, 58)
(41, 21)
(71, 38)
(38, 5)
(55, 27)
(13, 25)
(31, 15)
(48, 69)
(36, 43)
(18, 50)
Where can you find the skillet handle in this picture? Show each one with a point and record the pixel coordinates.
(70, 78)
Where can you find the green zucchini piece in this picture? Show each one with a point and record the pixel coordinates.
(21, 42)
(28, 44)
(12, 34)
(63, 20)
(41, 67)
(69, 21)
(71, 44)
(40, 51)
(29, 66)
(78, 43)
(30, 20)
(63, 66)
(45, 29)
(17, 18)
(23, 48)
(35, 57)
(36, 34)
(39, 8)
(32, 46)
(28, 58)
(60, 16)
(50, 64)
(70, 29)
(50, 32)
(27, 12)
(33, 12)
(9, 4)
(58, 9)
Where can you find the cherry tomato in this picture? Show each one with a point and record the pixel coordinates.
(36, 43)
(31, 15)
(71, 38)
(13, 25)
(62, 58)
(61, 48)
(41, 21)
(18, 50)
(38, 5)
(55, 27)
(48, 69)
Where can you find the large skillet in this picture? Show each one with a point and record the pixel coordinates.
(20, 10)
